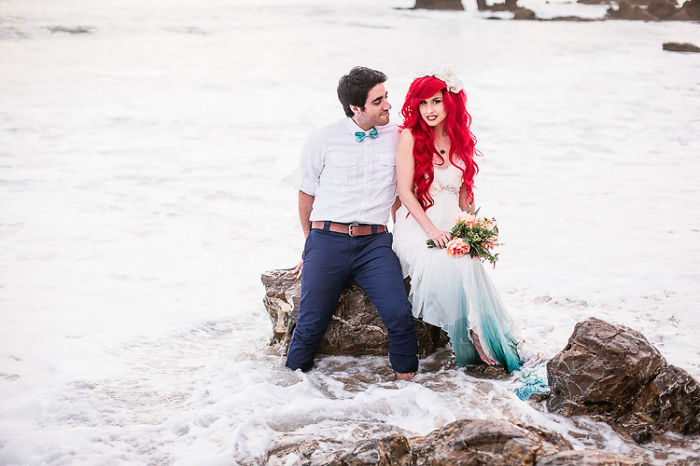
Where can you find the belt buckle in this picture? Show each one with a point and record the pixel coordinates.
(353, 224)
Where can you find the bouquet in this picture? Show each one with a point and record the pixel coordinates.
(476, 236)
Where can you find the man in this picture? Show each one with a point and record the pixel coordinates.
(346, 190)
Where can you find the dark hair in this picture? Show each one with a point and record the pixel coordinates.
(354, 87)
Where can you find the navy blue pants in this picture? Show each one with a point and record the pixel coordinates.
(329, 260)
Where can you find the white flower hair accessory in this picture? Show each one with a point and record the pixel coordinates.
(451, 79)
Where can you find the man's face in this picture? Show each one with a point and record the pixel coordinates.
(376, 111)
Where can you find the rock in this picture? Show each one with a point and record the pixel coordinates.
(508, 5)
(680, 47)
(662, 9)
(280, 454)
(690, 11)
(439, 4)
(596, 2)
(356, 328)
(627, 11)
(73, 30)
(391, 450)
(587, 458)
(492, 442)
(613, 2)
(573, 18)
(613, 374)
(524, 14)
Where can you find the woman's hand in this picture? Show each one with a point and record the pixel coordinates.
(439, 237)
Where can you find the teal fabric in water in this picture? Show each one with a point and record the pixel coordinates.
(533, 380)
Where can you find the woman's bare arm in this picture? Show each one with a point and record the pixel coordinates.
(405, 169)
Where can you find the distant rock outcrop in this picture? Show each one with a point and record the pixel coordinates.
(508, 5)
(356, 328)
(656, 10)
(625, 10)
(681, 47)
(613, 374)
(71, 30)
(439, 4)
(524, 14)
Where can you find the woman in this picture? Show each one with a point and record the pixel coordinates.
(435, 168)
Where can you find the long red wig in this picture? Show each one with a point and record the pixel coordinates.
(457, 125)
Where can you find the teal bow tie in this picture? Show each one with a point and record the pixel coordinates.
(361, 135)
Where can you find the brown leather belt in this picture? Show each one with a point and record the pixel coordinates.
(352, 229)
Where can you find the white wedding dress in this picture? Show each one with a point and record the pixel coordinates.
(453, 293)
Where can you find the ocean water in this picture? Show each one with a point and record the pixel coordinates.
(147, 178)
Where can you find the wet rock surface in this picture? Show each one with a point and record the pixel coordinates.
(613, 374)
(587, 458)
(681, 47)
(439, 4)
(356, 328)
(472, 442)
(656, 10)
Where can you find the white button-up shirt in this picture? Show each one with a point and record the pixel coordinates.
(351, 181)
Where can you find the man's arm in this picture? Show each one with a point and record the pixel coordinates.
(306, 203)
(394, 208)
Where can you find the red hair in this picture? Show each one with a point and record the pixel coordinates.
(457, 125)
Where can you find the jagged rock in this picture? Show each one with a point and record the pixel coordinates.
(524, 14)
(391, 450)
(690, 11)
(625, 10)
(680, 47)
(356, 328)
(612, 373)
(280, 454)
(492, 442)
(439, 4)
(587, 458)
(662, 9)
(508, 5)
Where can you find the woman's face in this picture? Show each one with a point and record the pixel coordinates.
(432, 110)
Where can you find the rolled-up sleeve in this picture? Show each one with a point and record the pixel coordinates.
(311, 164)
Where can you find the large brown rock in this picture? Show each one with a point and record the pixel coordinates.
(681, 47)
(464, 442)
(524, 14)
(487, 442)
(612, 373)
(662, 9)
(356, 328)
(690, 11)
(625, 10)
(440, 4)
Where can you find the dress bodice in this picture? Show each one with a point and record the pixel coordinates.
(447, 178)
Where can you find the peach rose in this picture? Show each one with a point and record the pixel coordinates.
(457, 247)
(466, 217)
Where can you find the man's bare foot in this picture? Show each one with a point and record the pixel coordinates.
(480, 350)
(405, 375)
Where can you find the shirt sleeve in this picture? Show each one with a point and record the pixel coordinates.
(311, 164)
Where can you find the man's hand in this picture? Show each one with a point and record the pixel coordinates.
(408, 376)
(297, 269)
